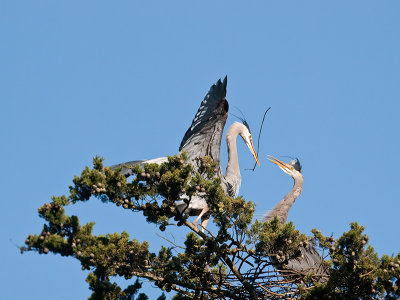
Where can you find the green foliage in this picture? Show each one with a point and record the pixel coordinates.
(280, 241)
(162, 297)
(356, 270)
(104, 289)
(242, 260)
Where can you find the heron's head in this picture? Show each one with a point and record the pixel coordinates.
(292, 168)
(245, 133)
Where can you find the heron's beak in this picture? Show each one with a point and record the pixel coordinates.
(254, 153)
(278, 162)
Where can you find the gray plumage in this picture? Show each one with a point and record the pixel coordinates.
(203, 138)
(310, 259)
(281, 210)
(230, 181)
(204, 135)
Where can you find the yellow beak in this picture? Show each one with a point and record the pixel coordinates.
(254, 153)
(278, 162)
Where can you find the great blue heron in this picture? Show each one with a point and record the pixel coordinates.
(204, 138)
(310, 260)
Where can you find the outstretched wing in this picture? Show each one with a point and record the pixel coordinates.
(204, 135)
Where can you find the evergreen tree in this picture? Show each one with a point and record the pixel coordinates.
(242, 260)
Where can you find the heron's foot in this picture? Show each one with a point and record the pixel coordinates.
(204, 222)
(195, 223)
(204, 219)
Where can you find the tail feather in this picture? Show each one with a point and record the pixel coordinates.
(310, 262)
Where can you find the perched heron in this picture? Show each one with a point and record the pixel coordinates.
(204, 138)
(311, 260)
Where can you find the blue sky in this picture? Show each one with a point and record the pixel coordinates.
(124, 80)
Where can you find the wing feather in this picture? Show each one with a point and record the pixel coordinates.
(205, 133)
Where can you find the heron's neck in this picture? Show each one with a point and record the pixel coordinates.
(232, 174)
(281, 210)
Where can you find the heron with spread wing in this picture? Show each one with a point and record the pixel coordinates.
(203, 138)
(311, 260)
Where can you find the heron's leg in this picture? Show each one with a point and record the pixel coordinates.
(205, 209)
(204, 222)
(196, 220)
